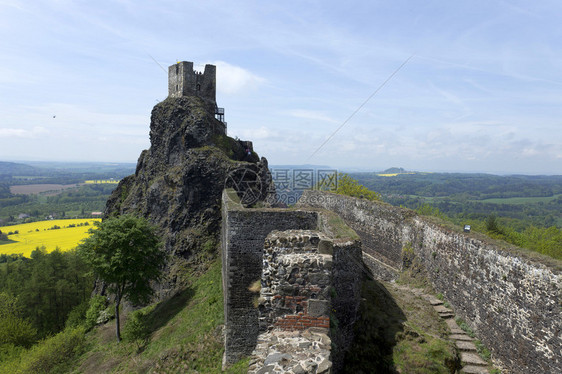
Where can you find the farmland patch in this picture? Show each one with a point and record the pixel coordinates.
(520, 200)
(43, 189)
(65, 234)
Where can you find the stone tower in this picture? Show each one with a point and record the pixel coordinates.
(184, 81)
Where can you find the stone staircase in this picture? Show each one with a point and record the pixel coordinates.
(472, 363)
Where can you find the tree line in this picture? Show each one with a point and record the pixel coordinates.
(45, 287)
(48, 296)
(76, 203)
(519, 230)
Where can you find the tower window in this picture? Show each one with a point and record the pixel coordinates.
(198, 87)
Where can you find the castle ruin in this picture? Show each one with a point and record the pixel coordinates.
(184, 81)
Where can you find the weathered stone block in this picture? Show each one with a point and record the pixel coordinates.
(318, 307)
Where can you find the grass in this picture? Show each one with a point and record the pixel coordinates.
(338, 228)
(399, 332)
(40, 233)
(185, 335)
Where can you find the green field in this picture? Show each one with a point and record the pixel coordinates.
(519, 200)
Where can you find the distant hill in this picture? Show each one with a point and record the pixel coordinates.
(13, 168)
(394, 170)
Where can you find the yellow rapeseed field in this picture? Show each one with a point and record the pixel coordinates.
(101, 181)
(37, 234)
(393, 174)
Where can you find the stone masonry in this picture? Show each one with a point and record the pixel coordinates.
(310, 271)
(296, 281)
(512, 301)
(184, 81)
(294, 304)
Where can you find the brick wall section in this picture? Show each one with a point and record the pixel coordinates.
(243, 235)
(511, 301)
(301, 321)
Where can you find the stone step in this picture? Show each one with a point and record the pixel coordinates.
(466, 346)
(446, 315)
(463, 337)
(442, 309)
(473, 369)
(456, 331)
(452, 324)
(433, 300)
(469, 358)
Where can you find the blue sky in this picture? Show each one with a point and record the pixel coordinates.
(482, 93)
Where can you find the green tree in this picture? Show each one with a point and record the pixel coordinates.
(492, 224)
(350, 187)
(124, 253)
(14, 330)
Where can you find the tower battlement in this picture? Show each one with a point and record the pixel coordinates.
(184, 81)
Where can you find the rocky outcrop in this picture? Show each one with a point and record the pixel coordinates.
(178, 182)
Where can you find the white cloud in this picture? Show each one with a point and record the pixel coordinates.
(22, 133)
(234, 79)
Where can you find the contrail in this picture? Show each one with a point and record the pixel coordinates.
(161, 67)
(361, 106)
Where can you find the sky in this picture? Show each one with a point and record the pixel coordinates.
(481, 91)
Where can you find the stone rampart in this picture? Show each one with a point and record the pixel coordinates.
(243, 235)
(511, 301)
(314, 279)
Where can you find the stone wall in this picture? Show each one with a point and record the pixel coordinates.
(184, 81)
(243, 235)
(296, 281)
(295, 300)
(326, 282)
(513, 302)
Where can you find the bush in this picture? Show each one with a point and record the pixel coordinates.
(137, 327)
(14, 329)
(77, 316)
(54, 354)
(97, 305)
(350, 187)
(17, 331)
(10, 352)
(492, 225)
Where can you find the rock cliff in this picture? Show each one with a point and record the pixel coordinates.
(178, 182)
